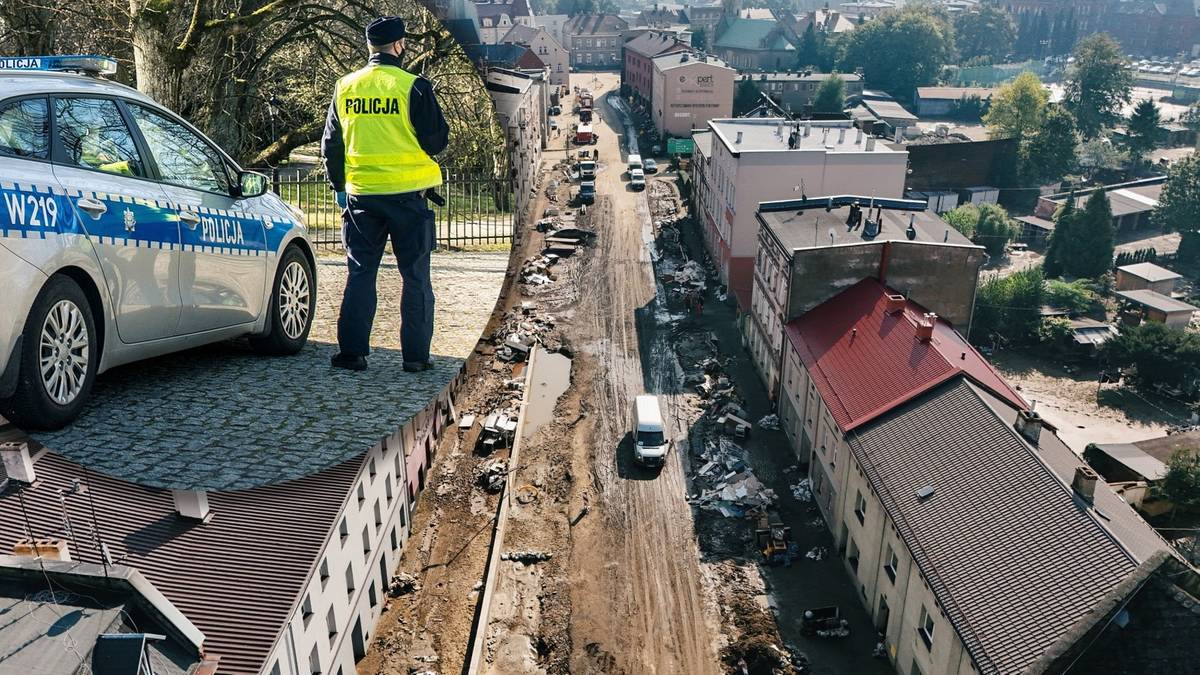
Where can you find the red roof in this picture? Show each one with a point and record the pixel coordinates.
(865, 362)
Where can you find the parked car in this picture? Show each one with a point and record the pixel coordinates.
(651, 166)
(125, 235)
(587, 192)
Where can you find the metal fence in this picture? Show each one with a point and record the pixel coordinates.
(480, 210)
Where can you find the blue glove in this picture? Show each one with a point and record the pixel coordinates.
(341, 199)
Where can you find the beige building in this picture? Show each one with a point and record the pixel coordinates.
(1147, 276)
(688, 90)
(594, 41)
(495, 18)
(548, 50)
(793, 90)
(978, 541)
(521, 101)
(760, 160)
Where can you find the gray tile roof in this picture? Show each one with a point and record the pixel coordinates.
(1013, 556)
(1156, 300)
(1149, 271)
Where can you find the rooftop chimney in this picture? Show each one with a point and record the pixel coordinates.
(739, 137)
(18, 465)
(895, 303)
(870, 144)
(807, 128)
(1084, 483)
(925, 327)
(779, 128)
(858, 136)
(191, 504)
(48, 549)
(841, 135)
(1029, 425)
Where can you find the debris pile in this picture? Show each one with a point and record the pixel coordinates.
(802, 491)
(732, 488)
(526, 557)
(403, 584)
(490, 475)
(770, 422)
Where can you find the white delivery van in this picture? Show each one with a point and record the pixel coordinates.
(650, 443)
(634, 162)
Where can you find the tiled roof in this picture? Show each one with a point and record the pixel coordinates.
(237, 577)
(501, 7)
(1149, 271)
(463, 31)
(591, 24)
(1156, 300)
(654, 43)
(1014, 557)
(865, 362)
(521, 34)
(753, 34)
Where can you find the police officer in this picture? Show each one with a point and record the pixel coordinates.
(383, 129)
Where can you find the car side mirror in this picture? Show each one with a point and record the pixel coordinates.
(252, 184)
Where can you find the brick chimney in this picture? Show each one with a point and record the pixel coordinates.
(48, 549)
(925, 327)
(18, 464)
(895, 304)
(1084, 483)
(1029, 425)
(191, 504)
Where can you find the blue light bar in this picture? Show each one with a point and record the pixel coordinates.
(81, 63)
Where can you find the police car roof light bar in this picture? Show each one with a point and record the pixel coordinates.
(89, 64)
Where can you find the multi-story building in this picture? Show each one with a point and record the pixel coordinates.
(760, 160)
(285, 578)
(809, 251)
(755, 44)
(637, 71)
(555, 24)
(547, 49)
(594, 41)
(497, 17)
(689, 90)
(794, 90)
(521, 101)
(704, 20)
(977, 540)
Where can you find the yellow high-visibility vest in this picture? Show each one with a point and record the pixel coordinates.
(383, 155)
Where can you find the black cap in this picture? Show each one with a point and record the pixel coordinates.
(385, 30)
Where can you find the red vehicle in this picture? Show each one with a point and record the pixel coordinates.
(584, 135)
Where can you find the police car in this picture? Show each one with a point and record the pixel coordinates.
(126, 234)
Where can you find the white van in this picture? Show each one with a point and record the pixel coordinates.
(650, 442)
(634, 162)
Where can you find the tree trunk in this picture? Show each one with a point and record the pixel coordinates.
(158, 63)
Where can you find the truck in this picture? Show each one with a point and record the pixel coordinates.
(650, 441)
(585, 106)
(584, 135)
(587, 169)
(587, 192)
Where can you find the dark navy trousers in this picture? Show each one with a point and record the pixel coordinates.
(368, 222)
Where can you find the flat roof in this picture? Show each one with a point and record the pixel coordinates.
(887, 109)
(703, 141)
(1149, 271)
(811, 228)
(954, 93)
(798, 76)
(763, 134)
(1156, 300)
(684, 59)
(1134, 458)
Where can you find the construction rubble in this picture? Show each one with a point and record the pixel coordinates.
(729, 487)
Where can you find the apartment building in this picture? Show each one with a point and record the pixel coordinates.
(547, 49)
(809, 251)
(594, 41)
(497, 17)
(795, 90)
(637, 70)
(978, 541)
(763, 159)
(521, 100)
(285, 578)
(688, 90)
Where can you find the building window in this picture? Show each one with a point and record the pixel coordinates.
(916, 670)
(324, 572)
(275, 670)
(350, 581)
(343, 530)
(398, 471)
(362, 494)
(860, 507)
(371, 467)
(314, 661)
(331, 625)
(892, 564)
(395, 540)
(306, 610)
(366, 536)
(373, 596)
(852, 555)
(387, 489)
(925, 628)
(378, 514)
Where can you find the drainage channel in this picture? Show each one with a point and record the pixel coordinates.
(546, 378)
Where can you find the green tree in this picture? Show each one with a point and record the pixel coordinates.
(1008, 309)
(745, 98)
(1178, 208)
(1018, 108)
(988, 32)
(900, 50)
(1093, 232)
(1073, 296)
(1181, 485)
(963, 218)
(809, 53)
(1049, 154)
(699, 39)
(1144, 130)
(994, 229)
(1099, 154)
(1157, 354)
(831, 95)
(1191, 117)
(1062, 240)
(1098, 84)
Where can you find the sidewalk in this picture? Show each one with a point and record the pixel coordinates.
(807, 583)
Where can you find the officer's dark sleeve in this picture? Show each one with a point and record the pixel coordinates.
(333, 149)
(426, 115)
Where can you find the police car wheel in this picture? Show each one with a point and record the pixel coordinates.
(59, 356)
(293, 303)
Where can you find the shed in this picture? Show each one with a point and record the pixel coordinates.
(1146, 276)
(1161, 308)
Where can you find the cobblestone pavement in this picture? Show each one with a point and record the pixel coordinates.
(221, 417)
